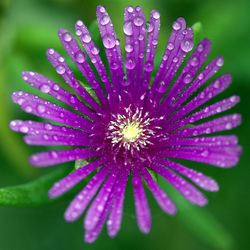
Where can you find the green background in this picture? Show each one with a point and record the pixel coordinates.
(27, 29)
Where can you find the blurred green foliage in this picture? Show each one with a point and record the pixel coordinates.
(27, 29)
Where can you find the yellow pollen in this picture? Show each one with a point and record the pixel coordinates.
(131, 132)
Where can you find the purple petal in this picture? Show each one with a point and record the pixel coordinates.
(50, 158)
(95, 211)
(163, 200)
(111, 45)
(115, 216)
(93, 53)
(186, 189)
(81, 200)
(198, 178)
(142, 209)
(46, 85)
(35, 105)
(63, 69)
(75, 177)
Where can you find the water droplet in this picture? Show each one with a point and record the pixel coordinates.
(41, 108)
(28, 109)
(67, 37)
(200, 76)
(187, 45)
(60, 59)
(220, 62)
(130, 9)
(56, 87)
(175, 59)
(156, 15)
(176, 26)
(217, 84)
(161, 88)
(138, 21)
(79, 23)
(108, 42)
(204, 154)
(102, 9)
(45, 88)
(48, 126)
(127, 28)
(228, 125)
(129, 48)
(72, 99)
(165, 57)
(20, 101)
(105, 20)
(233, 98)
(200, 47)
(148, 66)
(114, 66)
(194, 61)
(150, 27)
(78, 32)
(170, 46)
(208, 131)
(24, 129)
(155, 42)
(187, 79)
(218, 110)
(86, 38)
(80, 57)
(60, 69)
(95, 50)
(117, 42)
(130, 64)
(141, 37)
(51, 51)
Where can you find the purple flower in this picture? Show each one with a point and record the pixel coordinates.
(135, 123)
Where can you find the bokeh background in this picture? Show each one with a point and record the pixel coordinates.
(27, 29)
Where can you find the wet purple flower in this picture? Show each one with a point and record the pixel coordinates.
(135, 124)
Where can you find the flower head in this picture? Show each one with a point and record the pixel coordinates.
(134, 123)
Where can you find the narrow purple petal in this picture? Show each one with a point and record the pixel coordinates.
(142, 209)
(93, 52)
(172, 47)
(186, 189)
(82, 199)
(216, 125)
(192, 66)
(115, 216)
(58, 62)
(79, 58)
(201, 78)
(95, 211)
(54, 157)
(75, 177)
(207, 111)
(35, 105)
(198, 178)
(111, 45)
(152, 41)
(48, 86)
(163, 200)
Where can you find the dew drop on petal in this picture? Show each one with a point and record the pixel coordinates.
(220, 62)
(51, 51)
(45, 88)
(194, 61)
(108, 42)
(149, 65)
(129, 48)
(105, 20)
(228, 126)
(67, 37)
(86, 38)
(80, 57)
(176, 26)
(41, 108)
(60, 69)
(28, 109)
(138, 21)
(150, 28)
(187, 45)
(24, 129)
(170, 46)
(130, 9)
(156, 15)
(127, 28)
(130, 64)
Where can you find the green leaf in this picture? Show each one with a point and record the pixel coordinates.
(32, 193)
(199, 221)
(198, 32)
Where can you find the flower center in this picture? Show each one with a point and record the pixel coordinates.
(132, 131)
